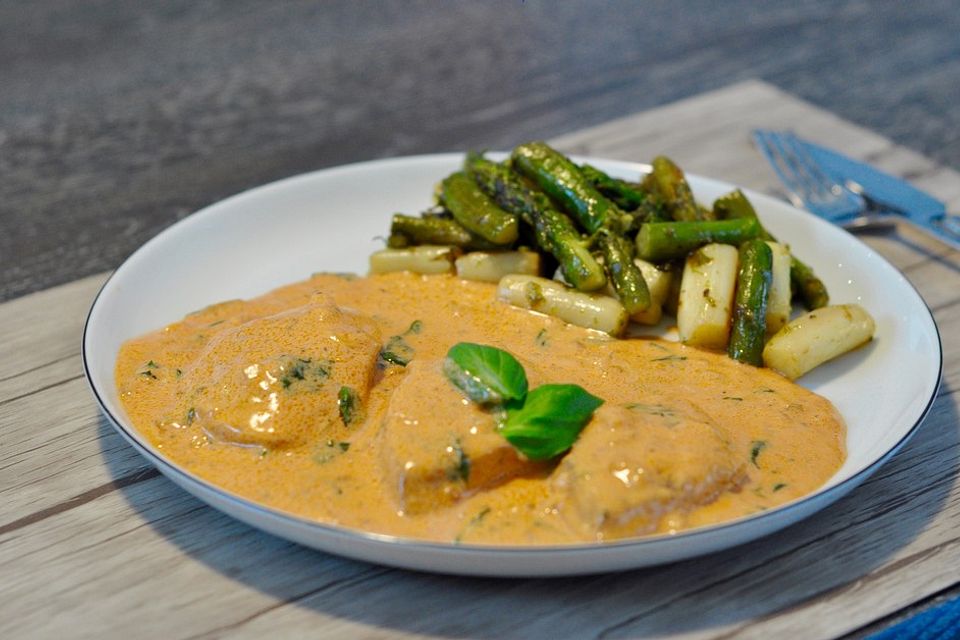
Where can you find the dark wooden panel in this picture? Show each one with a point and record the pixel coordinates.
(117, 118)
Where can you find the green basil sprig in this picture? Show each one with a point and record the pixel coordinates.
(540, 424)
(486, 374)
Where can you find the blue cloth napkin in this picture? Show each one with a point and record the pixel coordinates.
(939, 623)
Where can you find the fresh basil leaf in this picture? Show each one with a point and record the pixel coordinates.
(550, 420)
(486, 374)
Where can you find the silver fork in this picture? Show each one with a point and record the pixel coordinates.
(847, 205)
(808, 187)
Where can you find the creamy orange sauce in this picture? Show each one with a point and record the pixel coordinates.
(248, 395)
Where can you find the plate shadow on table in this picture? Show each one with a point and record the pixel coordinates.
(830, 551)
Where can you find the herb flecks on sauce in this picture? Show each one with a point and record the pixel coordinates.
(756, 447)
(348, 403)
(147, 369)
(358, 488)
(474, 522)
(541, 339)
(304, 370)
(329, 450)
(397, 350)
(460, 470)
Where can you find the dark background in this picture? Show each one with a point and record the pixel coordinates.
(118, 118)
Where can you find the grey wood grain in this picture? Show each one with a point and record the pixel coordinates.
(93, 542)
(117, 118)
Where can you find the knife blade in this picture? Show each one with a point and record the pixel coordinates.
(889, 191)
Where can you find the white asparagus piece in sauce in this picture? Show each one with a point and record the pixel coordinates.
(426, 259)
(592, 311)
(658, 282)
(778, 299)
(816, 337)
(706, 296)
(492, 266)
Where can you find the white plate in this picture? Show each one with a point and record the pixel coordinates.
(330, 221)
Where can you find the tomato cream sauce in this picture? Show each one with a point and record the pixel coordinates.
(327, 399)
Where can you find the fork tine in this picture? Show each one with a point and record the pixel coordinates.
(810, 187)
(765, 141)
(824, 190)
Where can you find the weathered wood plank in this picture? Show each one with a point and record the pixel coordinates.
(97, 543)
(57, 446)
(109, 133)
(36, 327)
(221, 575)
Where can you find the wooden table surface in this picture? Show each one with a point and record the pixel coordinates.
(119, 117)
(95, 543)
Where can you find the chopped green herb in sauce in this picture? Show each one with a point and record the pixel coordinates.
(755, 448)
(330, 450)
(397, 351)
(147, 370)
(779, 486)
(673, 358)
(461, 467)
(541, 339)
(304, 370)
(652, 409)
(474, 521)
(349, 405)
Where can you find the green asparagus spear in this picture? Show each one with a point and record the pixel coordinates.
(560, 179)
(505, 187)
(561, 239)
(626, 277)
(668, 181)
(554, 232)
(812, 291)
(398, 241)
(632, 198)
(473, 209)
(735, 205)
(617, 191)
(660, 241)
(433, 230)
(750, 305)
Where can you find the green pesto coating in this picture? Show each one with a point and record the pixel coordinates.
(619, 192)
(812, 291)
(433, 230)
(625, 276)
(554, 232)
(805, 282)
(562, 180)
(476, 211)
(660, 241)
(750, 305)
(630, 197)
(667, 180)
